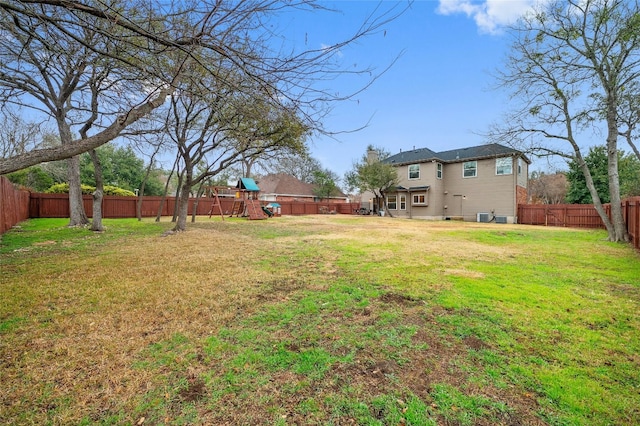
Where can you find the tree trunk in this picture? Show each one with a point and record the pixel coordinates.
(77, 215)
(142, 185)
(617, 218)
(597, 203)
(141, 193)
(183, 208)
(166, 189)
(384, 204)
(619, 229)
(176, 200)
(139, 200)
(96, 223)
(197, 200)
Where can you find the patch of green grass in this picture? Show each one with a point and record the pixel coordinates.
(172, 353)
(10, 324)
(391, 409)
(464, 409)
(53, 235)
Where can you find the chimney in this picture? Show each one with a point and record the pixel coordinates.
(372, 156)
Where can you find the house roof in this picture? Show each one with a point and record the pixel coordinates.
(285, 184)
(412, 188)
(421, 155)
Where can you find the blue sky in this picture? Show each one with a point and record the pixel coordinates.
(439, 92)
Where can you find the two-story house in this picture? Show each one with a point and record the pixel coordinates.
(483, 183)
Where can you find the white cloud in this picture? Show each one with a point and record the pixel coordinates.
(490, 15)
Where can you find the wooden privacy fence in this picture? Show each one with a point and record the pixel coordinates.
(17, 205)
(57, 205)
(580, 216)
(631, 212)
(14, 205)
(569, 215)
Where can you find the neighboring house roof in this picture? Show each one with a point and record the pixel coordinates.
(422, 155)
(284, 184)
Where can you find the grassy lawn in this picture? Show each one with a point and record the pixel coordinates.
(327, 320)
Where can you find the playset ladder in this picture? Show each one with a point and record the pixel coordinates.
(254, 210)
(238, 208)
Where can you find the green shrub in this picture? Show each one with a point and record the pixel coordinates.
(63, 188)
(114, 190)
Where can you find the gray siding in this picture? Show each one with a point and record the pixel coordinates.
(484, 193)
(457, 196)
(523, 176)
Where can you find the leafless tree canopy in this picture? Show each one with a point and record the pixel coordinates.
(18, 136)
(548, 188)
(156, 45)
(213, 129)
(571, 65)
(629, 117)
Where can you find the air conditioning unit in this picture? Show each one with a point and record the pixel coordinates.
(484, 217)
(501, 219)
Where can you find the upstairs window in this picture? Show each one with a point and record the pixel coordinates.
(504, 166)
(439, 170)
(414, 171)
(470, 169)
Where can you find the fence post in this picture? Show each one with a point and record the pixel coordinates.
(636, 236)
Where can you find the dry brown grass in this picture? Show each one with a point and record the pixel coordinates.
(90, 316)
(86, 317)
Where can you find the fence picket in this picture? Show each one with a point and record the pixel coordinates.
(14, 205)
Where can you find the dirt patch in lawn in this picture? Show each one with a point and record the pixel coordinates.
(396, 370)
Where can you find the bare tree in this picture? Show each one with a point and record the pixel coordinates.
(300, 165)
(35, 67)
(147, 32)
(213, 128)
(60, 75)
(18, 136)
(548, 188)
(249, 134)
(98, 83)
(569, 65)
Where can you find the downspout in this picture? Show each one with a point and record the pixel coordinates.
(515, 191)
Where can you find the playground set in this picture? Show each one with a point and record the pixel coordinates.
(245, 202)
